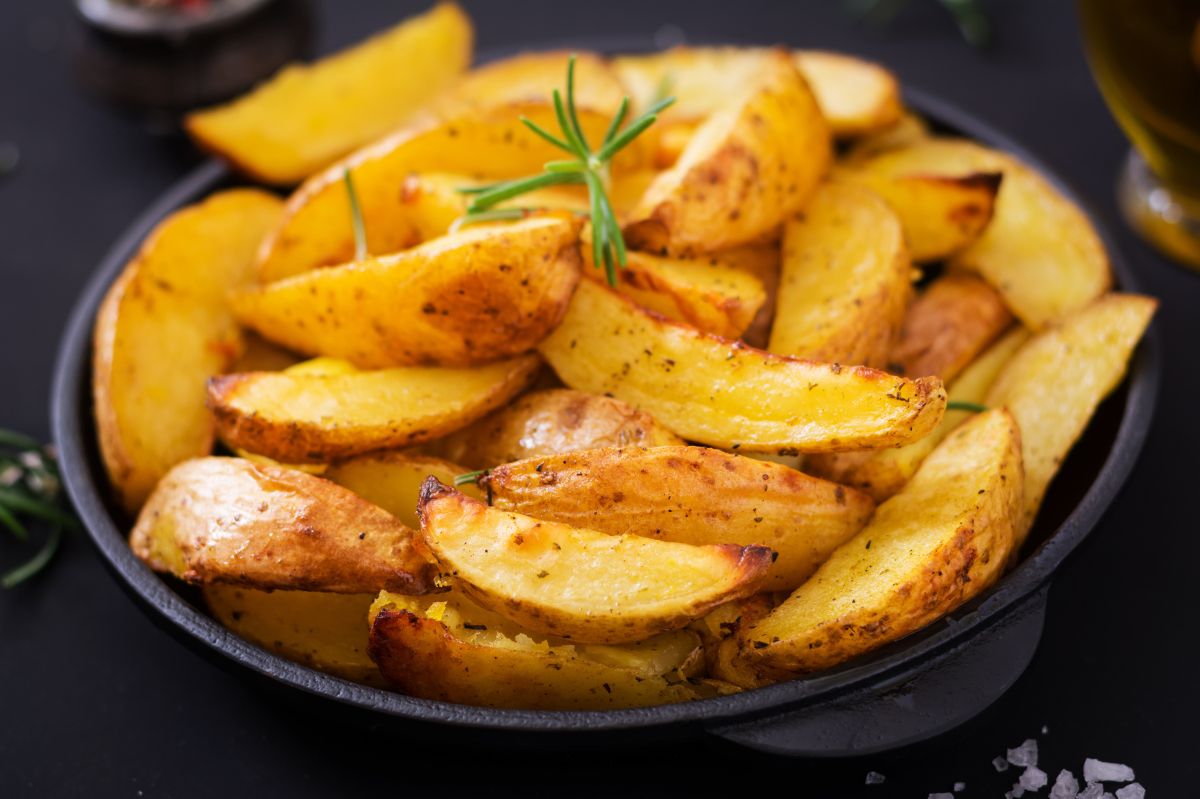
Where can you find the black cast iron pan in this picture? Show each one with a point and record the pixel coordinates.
(911, 690)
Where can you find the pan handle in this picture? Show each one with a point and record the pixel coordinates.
(951, 689)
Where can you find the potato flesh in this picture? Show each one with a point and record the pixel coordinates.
(577, 583)
(550, 422)
(327, 632)
(846, 280)
(883, 473)
(484, 293)
(689, 495)
(392, 480)
(307, 116)
(728, 395)
(1040, 251)
(1054, 383)
(533, 77)
(427, 650)
(752, 163)
(163, 329)
(485, 144)
(298, 418)
(227, 520)
(909, 129)
(942, 540)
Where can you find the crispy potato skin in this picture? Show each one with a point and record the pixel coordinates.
(949, 324)
(316, 418)
(725, 394)
(690, 495)
(485, 293)
(307, 116)
(227, 520)
(722, 646)
(501, 666)
(748, 167)
(1054, 383)
(941, 541)
(846, 279)
(550, 422)
(163, 329)
(326, 632)
(579, 584)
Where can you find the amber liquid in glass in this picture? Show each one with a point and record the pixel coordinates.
(1145, 55)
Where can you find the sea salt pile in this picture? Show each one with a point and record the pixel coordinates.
(1099, 771)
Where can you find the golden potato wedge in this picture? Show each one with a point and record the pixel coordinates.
(484, 144)
(260, 355)
(575, 583)
(703, 292)
(722, 645)
(726, 394)
(227, 520)
(909, 129)
(762, 261)
(307, 116)
(392, 480)
(855, 96)
(689, 495)
(483, 293)
(752, 163)
(941, 214)
(163, 329)
(533, 77)
(950, 323)
(452, 650)
(326, 632)
(942, 540)
(1039, 251)
(1054, 383)
(846, 280)
(550, 422)
(307, 418)
(883, 472)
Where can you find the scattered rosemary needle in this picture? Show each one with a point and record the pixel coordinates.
(587, 166)
(469, 477)
(356, 217)
(30, 489)
(963, 405)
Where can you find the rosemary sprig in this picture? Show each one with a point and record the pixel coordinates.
(30, 488)
(356, 217)
(587, 166)
(469, 477)
(963, 405)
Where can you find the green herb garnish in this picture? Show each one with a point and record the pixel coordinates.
(963, 405)
(587, 166)
(469, 477)
(972, 22)
(356, 217)
(30, 488)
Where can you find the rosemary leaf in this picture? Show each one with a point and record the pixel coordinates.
(356, 217)
(963, 405)
(17, 501)
(469, 477)
(35, 564)
(13, 523)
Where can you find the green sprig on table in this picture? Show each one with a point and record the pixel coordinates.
(30, 489)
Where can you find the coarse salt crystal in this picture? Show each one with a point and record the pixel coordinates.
(1132, 791)
(1065, 786)
(875, 778)
(1017, 791)
(1024, 755)
(1094, 790)
(1100, 771)
(1000, 764)
(941, 796)
(1034, 779)
(960, 786)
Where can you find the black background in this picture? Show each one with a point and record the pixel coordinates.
(96, 701)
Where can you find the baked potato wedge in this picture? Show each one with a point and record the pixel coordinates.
(550, 422)
(942, 540)
(314, 418)
(722, 645)
(484, 145)
(531, 77)
(163, 329)
(754, 162)
(392, 480)
(326, 632)
(453, 650)
(1053, 385)
(484, 293)
(726, 394)
(689, 495)
(307, 116)
(953, 320)
(1040, 251)
(703, 292)
(846, 280)
(227, 520)
(907, 130)
(855, 95)
(575, 583)
(883, 472)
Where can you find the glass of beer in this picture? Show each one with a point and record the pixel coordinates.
(1145, 56)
